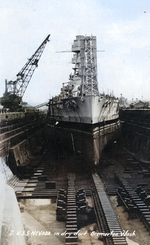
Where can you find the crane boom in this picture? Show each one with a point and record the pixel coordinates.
(18, 87)
(14, 90)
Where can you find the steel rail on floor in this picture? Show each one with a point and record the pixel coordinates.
(109, 227)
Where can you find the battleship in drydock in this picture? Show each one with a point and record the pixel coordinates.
(85, 120)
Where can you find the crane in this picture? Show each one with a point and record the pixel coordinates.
(14, 90)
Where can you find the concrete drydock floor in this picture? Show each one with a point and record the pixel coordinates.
(41, 226)
(39, 215)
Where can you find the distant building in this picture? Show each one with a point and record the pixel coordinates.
(139, 104)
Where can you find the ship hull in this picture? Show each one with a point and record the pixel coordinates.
(86, 110)
(88, 140)
(90, 144)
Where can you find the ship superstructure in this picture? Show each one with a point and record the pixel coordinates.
(80, 106)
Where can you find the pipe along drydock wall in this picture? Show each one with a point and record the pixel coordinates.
(22, 142)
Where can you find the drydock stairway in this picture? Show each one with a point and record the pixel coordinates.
(109, 228)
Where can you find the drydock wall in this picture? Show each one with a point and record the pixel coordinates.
(136, 132)
(22, 139)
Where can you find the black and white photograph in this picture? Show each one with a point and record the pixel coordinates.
(74, 122)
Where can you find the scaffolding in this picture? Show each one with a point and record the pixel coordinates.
(85, 60)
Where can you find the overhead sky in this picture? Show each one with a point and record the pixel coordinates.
(122, 28)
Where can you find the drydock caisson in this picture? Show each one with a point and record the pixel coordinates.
(84, 120)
